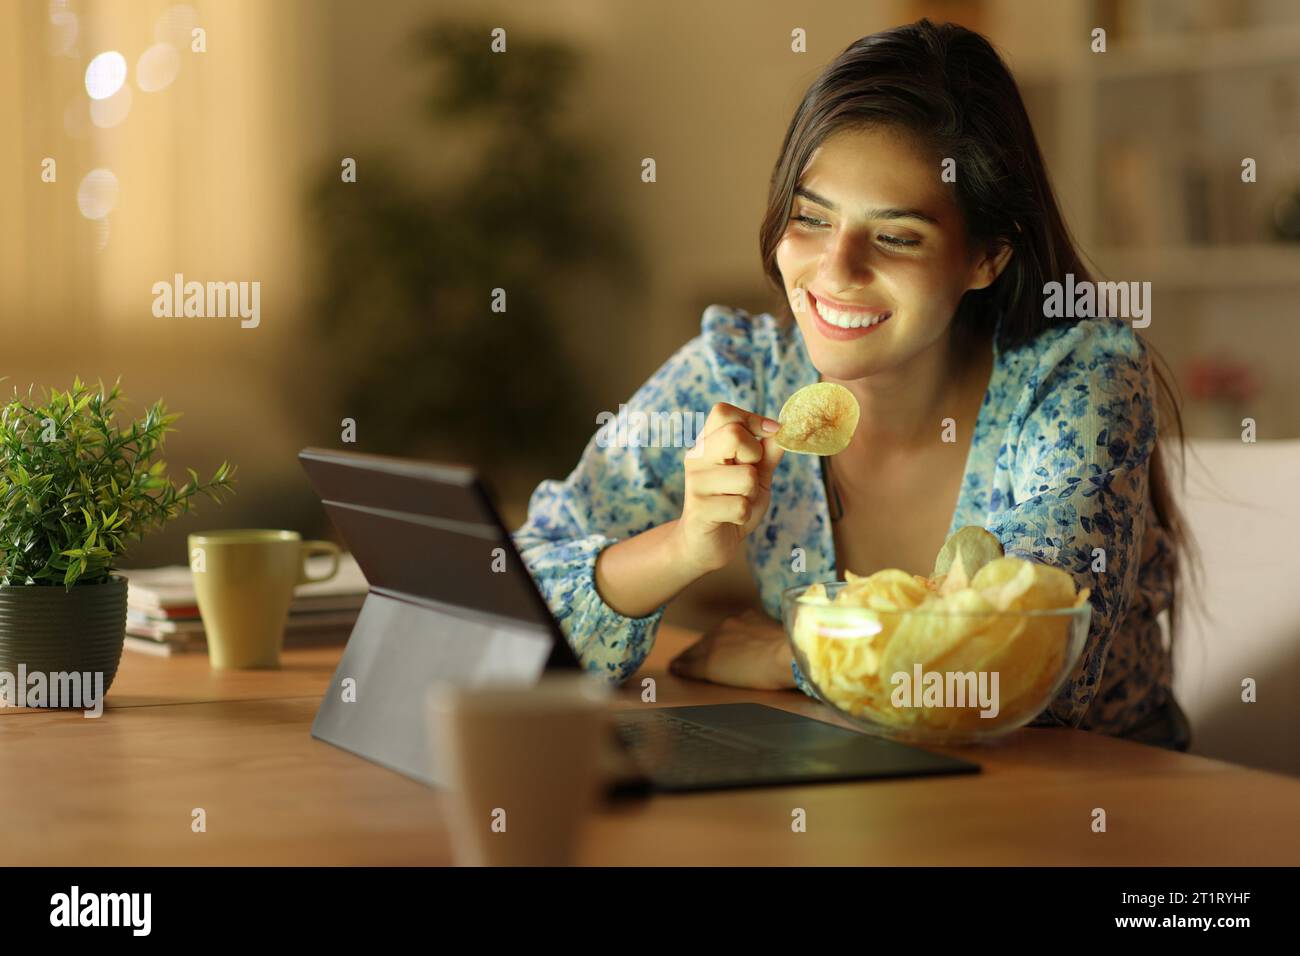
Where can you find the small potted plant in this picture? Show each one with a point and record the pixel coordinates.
(74, 489)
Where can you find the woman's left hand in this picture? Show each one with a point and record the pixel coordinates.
(747, 650)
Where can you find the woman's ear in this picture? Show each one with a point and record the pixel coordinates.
(991, 264)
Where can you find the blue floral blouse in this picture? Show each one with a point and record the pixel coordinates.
(1057, 467)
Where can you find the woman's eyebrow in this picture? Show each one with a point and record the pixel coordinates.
(870, 213)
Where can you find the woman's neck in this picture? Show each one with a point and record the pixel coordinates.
(902, 410)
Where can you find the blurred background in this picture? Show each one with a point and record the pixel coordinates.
(227, 163)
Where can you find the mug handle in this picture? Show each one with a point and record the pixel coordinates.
(310, 548)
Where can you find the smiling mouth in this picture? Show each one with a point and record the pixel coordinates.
(842, 321)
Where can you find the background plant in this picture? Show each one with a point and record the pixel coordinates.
(75, 488)
(418, 358)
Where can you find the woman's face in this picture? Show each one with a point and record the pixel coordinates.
(876, 240)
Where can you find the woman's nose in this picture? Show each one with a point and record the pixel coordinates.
(847, 261)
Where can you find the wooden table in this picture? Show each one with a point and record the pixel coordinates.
(175, 735)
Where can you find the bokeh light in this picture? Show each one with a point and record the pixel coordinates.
(176, 25)
(108, 113)
(97, 194)
(105, 75)
(63, 29)
(157, 67)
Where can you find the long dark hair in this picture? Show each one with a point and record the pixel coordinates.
(947, 85)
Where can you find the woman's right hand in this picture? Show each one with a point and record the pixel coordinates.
(728, 485)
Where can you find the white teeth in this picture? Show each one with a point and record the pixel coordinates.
(849, 320)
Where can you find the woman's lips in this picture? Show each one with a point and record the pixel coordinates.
(838, 333)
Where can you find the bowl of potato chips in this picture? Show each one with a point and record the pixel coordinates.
(971, 653)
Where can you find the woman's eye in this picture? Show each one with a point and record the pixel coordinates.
(810, 222)
(896, 241)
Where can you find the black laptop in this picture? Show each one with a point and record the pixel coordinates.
(428, 539)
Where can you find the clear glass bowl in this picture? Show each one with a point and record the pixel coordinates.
(932, 675)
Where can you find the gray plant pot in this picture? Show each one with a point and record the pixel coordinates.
(52, 629)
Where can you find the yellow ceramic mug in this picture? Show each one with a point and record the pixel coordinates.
(244, 581)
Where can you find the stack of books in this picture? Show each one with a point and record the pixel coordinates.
(162, 614)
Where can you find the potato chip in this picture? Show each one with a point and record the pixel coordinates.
(955, 580)
(927, 635)
(1010, 646)
(1057, 634)
(972, 546)
(1014, 584)
(1057, 640)
(853, 580)
(1038, 654)
(1048, 588)
(841, 664)
(1024, 663)
(815, 594)
(996, 573)
(887, 590)
(818, 419)
(1004, 588)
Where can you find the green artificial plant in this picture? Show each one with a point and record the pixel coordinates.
(75, 487)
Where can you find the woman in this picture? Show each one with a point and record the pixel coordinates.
(912, 231)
